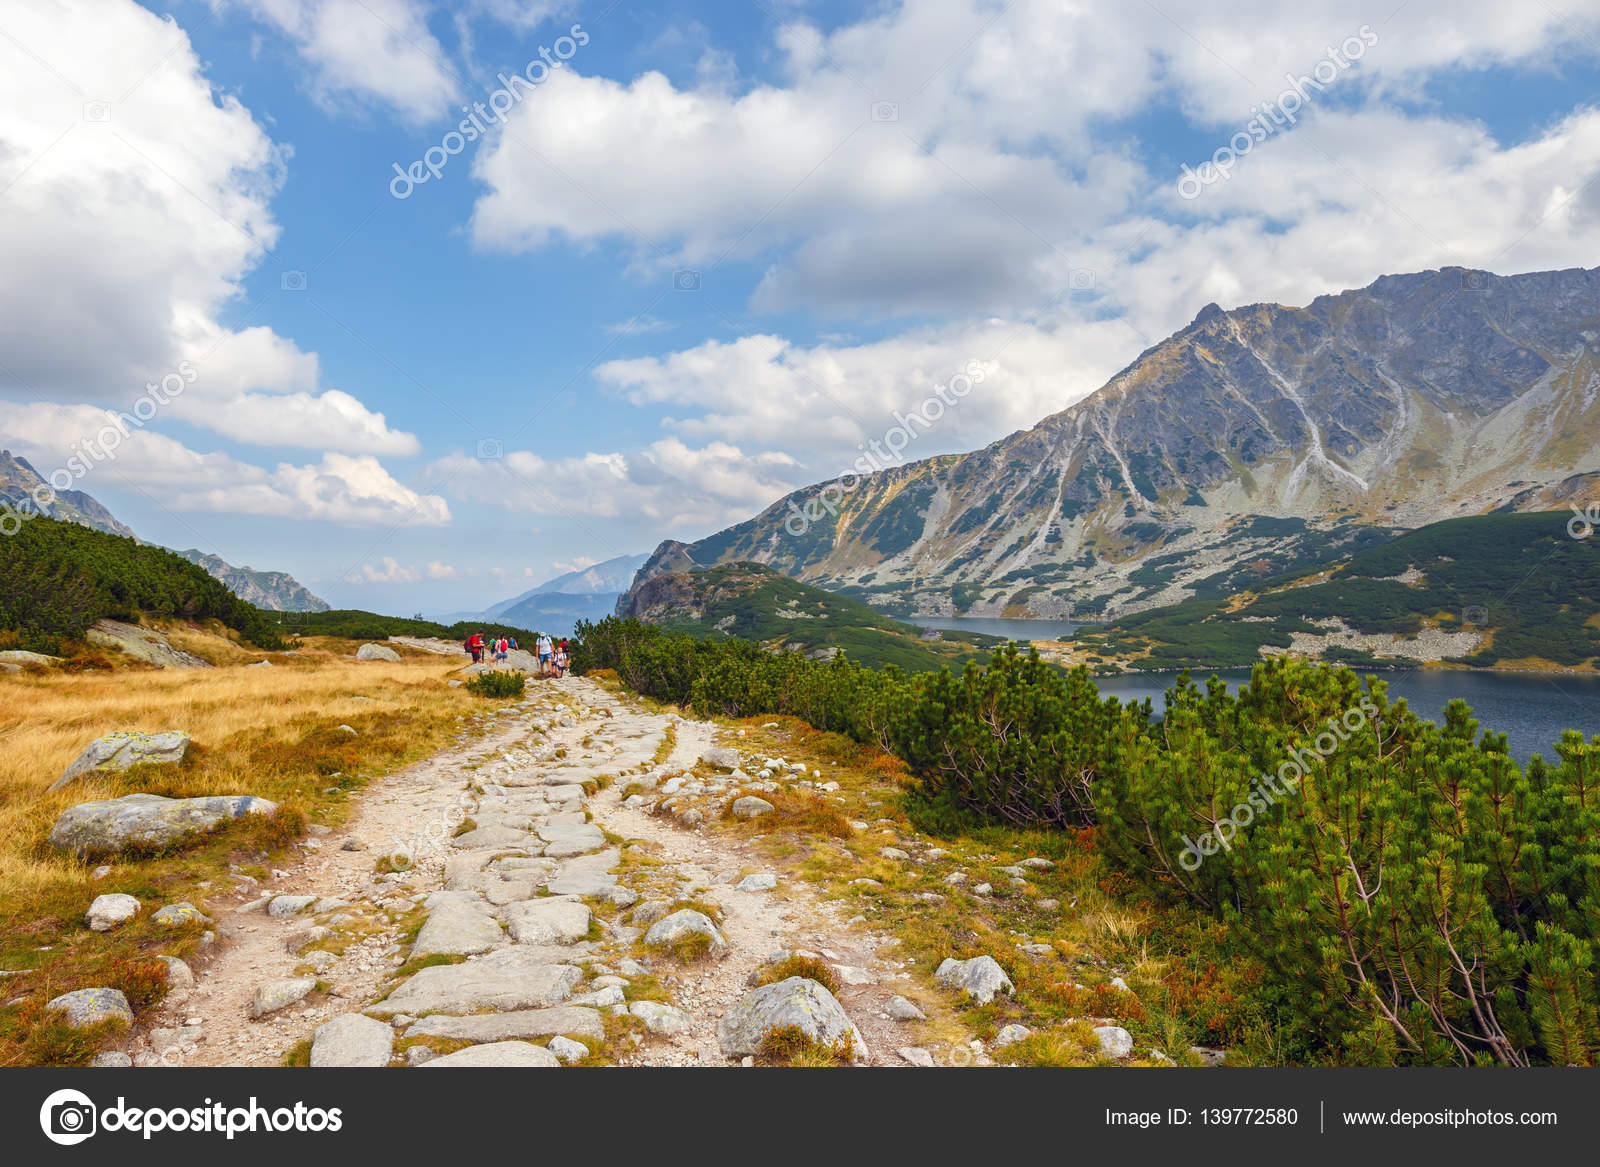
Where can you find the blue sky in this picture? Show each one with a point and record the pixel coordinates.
(431, 403)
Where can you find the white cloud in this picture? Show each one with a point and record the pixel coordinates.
(437, 570)
(365, 52)
(125, 236)
(578, 563)
(666, 483)
(391, 572)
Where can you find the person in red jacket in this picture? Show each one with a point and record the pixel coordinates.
(475, 646)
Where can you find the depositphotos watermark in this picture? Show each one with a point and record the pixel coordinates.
(881, 453)
(1583, 522)
(1272, 115)
(501, 102)
(88, 452)
(69, 1117)
(1269, 788)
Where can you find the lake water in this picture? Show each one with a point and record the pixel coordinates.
(1530, 708)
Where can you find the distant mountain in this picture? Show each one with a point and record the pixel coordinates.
(265, 589)
(557, 612)
(752, 602)
(276, 590)
(1254, 439)
(608, 578)
(18, 480)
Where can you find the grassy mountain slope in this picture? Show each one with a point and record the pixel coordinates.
(1511, 590)
(750, 602)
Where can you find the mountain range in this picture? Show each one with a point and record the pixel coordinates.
(265, 589)
(555, 606)
(1254, 440)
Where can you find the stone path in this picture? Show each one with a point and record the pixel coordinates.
(511, 901)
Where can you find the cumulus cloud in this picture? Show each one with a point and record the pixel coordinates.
(135, 202)
(667, 482)
(390, 572)
(365, 53)
(437, 570)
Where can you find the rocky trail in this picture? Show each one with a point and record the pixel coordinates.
(512, 901)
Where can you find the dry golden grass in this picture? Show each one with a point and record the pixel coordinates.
(271, 732)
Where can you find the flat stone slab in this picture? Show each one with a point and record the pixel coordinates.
(509, 979)
(352, 1040)
(582, 883)
(493, 835)
(548, 920)
(506, 1054)
(459, 930)
(572, 1021)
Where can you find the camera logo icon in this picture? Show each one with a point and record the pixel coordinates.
(686, 281)
(491, 449)
(293, 281)
(885, 111)
(1475, 281)
(1080, 279)
(97, 111)
(1475, 615)
(67, 1117)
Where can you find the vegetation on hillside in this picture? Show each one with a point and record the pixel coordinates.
(1521, 579)
(355, 624)
(1442, 902)
(748, 601)
(60, 578)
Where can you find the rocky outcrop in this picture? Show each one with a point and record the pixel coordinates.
(143, 644)
(146, 821)
(277, 591)
(377, 652)
(797, 1002)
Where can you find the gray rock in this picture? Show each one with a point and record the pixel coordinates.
(352, 1040)
(110, 910)
(659, 1018)
(750, 807)
(915, 1055)
(893, 853)
(180, 977)
(1115, 1042)
(721, 757)
(552, 920)
(568, 839)
(490, 835)
(567, 1050)
(850, 974)
(143, 644)
(517, 1023)
(1036, 863)
(280, 994)
(417, 1054)
(297, 942)
(281, 906)
(680, 924)
(903, 1010)
(458, 930)
(181, 913)
(980, 978)
(114, 824)
(1010, 1035)
(506, 1054)
(86, 1007)
(118, 751)
(649, 912)
(763, 881)
(1048, 905)
(512, 978)
(111, 1060)
(1209, 1056)
(796, 1001)
(623, 897)
(582, 883)
(376, 652)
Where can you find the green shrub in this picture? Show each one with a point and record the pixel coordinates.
(497, 684)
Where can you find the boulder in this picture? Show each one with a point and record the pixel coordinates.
(687, 922)
(658, 1018)
(142, 644)
(146, 820)
(551, 920)
(176, 915)
(377, 652)
(796, 1001)
(113, 1060)
(280, 994)
(1115, 1042)
(980, 978)
(750, 807)
(86, 1007)
(120, 750)
(110, 910)
(760, 882)
(506, 1054)
(352, 1040)
(280, 907)
(1011, 1034)
(21, 657)
(901, 1009)
(568, 1050)
(180, 977)
(721, 757)
(915, 1055)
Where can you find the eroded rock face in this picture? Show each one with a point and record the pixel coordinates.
(116, 824)
(798, 1002)
(125, 748)
(144, 644)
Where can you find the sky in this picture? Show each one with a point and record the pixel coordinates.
(427, 302)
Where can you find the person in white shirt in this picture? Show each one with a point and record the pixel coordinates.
(546, 649)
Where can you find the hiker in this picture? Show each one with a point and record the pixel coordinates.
(475, 646)
(546, 651)
(513, 644)
(500, 649)
(561, 660)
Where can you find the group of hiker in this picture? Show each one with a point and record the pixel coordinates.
(553, 659)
